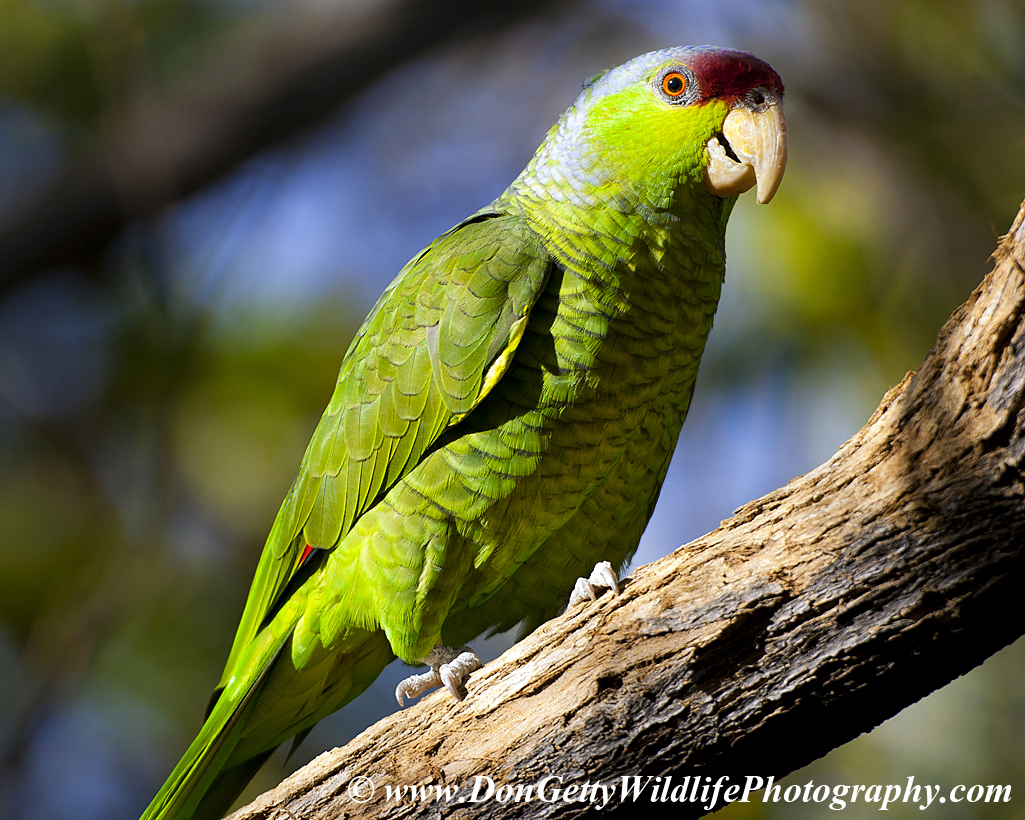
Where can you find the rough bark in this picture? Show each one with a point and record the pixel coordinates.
(810, 616)
(168, 144)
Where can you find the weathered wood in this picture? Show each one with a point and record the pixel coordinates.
(810, 616)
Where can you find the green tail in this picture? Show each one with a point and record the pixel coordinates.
(267, 701)
(202, 785)
(226, 788)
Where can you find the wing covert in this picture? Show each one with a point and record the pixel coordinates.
(439, 338)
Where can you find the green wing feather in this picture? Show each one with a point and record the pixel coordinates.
(437, 341)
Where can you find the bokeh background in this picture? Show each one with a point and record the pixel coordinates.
(200, 200)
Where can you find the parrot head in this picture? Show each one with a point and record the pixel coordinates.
(666, 127)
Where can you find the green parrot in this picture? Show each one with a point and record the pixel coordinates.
(505, 417)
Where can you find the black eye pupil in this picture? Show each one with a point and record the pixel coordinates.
(758, 98)
(674, 85)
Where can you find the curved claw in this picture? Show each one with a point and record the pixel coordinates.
(449, 667)
(602, 577)
(455, 673)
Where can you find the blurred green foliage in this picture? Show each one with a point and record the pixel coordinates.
(77, 60)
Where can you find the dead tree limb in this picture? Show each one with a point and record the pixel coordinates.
(810, 616)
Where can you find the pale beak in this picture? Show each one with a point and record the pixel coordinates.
(752, 150)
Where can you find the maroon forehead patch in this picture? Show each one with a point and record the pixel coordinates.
(729, 74)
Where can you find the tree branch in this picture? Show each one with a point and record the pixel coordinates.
(810, 616)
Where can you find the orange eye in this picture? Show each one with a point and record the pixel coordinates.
(674, 84)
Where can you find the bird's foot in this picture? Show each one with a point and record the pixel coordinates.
(586, 589)
(450, 666)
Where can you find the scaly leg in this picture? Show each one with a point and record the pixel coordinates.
(449, 666)
(602, 577)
